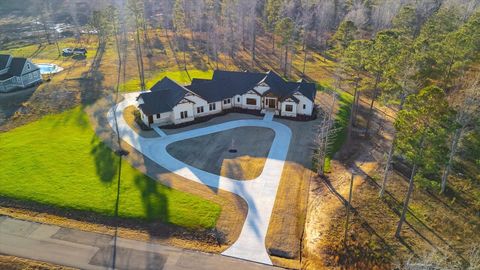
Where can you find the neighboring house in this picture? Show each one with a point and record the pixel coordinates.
(171, 103)
(17, 72)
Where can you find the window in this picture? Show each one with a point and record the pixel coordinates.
(183, 114)
(238, 99)
(212, 106)
(289, 108)
(304, 106)
(251, 101)
(227, 101)
(28, 66)
(200, 109)
(158, 116)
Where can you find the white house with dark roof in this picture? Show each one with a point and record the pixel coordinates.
(170, 103)
(17, 72)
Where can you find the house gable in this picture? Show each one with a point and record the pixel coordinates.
(184, 100)
(289, 100)
(252, 92)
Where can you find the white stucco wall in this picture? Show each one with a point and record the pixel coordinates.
(258, 106)
(218, 108)
(188, 107)
(227, 106)
(144, 118)
(304, 101)
(165, 119)
(237, 101)
(199, 102)
(283, 112)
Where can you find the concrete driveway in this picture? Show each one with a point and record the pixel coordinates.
(259, 193)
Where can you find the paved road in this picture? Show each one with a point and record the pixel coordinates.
(259, 193)
(87, 250)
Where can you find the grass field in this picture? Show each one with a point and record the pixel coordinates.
(59, 161)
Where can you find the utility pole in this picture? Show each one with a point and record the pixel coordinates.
(348, 209)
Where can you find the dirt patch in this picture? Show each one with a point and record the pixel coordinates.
(129, 115)
(237, 153)
(439, 229)
(16, 263)
(284, 237)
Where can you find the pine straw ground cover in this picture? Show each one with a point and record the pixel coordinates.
(59, 161)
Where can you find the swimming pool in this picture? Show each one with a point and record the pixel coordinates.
(49, 68)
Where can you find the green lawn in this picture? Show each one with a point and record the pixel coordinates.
(59, 161)
(344, 100)
(180, 76)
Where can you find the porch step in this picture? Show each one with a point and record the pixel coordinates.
(268, 115)
(159, 131)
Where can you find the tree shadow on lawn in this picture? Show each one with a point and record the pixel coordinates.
(154, 201)
(106, 162)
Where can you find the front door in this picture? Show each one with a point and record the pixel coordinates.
(271, 103)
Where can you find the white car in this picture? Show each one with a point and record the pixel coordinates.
(67, 51)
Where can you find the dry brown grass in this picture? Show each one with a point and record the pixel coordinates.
(16, 263)
(442, 226)
(244, 167)
(286, 225)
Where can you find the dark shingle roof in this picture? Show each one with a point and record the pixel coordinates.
(164, 95)
(226, 84)
(167, 83)
(5, 76)
(160, 101)
(307, 89)
(211, 91)
(16, 66)
(4, 60)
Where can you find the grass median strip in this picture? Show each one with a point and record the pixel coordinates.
(58, 160)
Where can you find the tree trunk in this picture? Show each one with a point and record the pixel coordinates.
(273, 43)
(254, 43)
(370, 111)
(390, 155)
(352, 111)
(140, 59)
(453, 150)
(286, 60)
(387, 167)
(184, 55)
(304, 55)
(243, 33)
(304, 62)
(407, 200)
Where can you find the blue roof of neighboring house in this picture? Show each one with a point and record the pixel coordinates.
(4, 60)
(16, 66)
